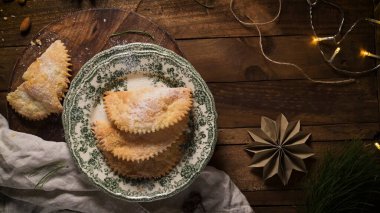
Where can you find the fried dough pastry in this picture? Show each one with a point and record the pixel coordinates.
(147, 110)
(134, 147)
(25, 105)
(152, 168)
(46, 80)
(39, 90)
(53, 64)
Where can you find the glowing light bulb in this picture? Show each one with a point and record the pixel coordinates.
(316, 40)
(365, 53)
(337, 50)
(372, 20)
(377, 145)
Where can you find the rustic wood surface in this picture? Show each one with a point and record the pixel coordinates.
(244, 84)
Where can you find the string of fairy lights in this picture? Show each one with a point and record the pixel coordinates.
(337, 39)
(317, 40)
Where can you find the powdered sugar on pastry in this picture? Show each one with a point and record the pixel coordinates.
(46, 80)
(148, 109)
(53, 64)
(25, 105)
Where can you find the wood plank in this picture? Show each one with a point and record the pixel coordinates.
(8, 57)
(240, 59)
(3, 104)
(242, 104)
(43, 13)
(277, 209)
(275, 197)
(187, 19)
(3, 200)
(339, 132)
(234, 160)
(377, 46)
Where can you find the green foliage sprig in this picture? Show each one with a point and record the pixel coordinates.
(206, 5)
(348, 181)
(133, 32)
(49, 171)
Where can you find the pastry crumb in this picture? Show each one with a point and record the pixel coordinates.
(38, 41)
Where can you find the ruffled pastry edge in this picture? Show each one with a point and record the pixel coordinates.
(187, 105)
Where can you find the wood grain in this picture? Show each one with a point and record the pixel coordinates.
(3, 105)
(8, 57)
(239, 59)
(242, 60)
(242, 104)
(277, 209)
(377, 47)
(43, 13)
(96, 27)
(187, 19)
(275, 198)
(327, 133)
(234, 160)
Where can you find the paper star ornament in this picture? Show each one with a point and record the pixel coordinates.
(279, 147)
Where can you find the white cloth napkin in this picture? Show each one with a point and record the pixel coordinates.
(68, 189)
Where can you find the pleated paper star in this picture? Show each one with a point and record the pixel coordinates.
(279, 147)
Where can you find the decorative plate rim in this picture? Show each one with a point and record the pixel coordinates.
(123, 49)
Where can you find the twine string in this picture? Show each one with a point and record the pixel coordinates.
(328, 60)
(297, 67)
(339, 32)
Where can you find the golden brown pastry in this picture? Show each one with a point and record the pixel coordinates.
(25, 105)
(153, 168)
(148, 109)
(135, 147)
(53, 64)
(46, 80)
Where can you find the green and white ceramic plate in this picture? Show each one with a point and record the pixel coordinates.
(127, 67)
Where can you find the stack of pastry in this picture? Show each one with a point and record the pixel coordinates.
(145, 129)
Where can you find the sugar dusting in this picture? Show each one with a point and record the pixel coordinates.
(153, 103)
(99, 114)
(149, 105)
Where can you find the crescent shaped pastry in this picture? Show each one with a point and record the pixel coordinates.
(135, 147)
(46, 80)
(147, 110)
(53, 64)
(25, 105)
(39, 89)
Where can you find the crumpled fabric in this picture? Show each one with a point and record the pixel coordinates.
(21, 155)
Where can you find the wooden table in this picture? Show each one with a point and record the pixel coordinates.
(245, 86)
